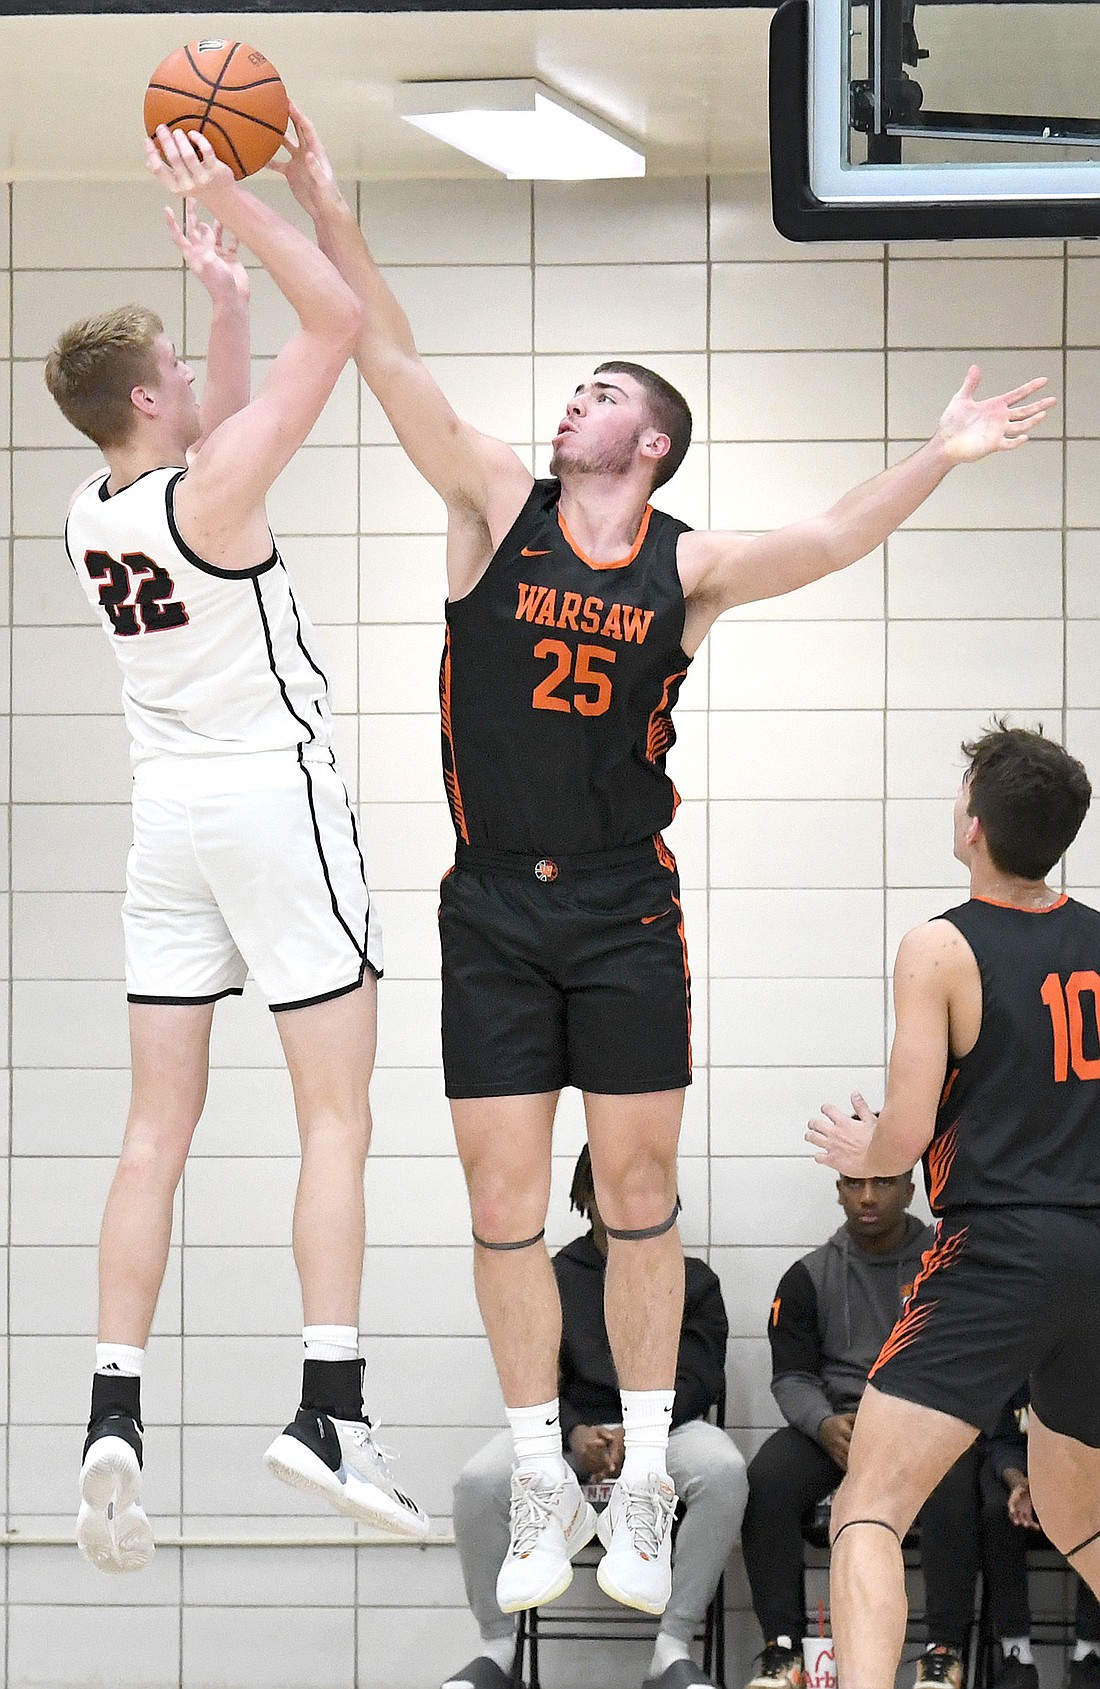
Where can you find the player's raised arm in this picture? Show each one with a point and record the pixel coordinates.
(722, 570)
(223, 493)
(469, 470)
(210, 253)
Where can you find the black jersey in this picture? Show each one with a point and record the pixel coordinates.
(1019, 1118)
(557, 684)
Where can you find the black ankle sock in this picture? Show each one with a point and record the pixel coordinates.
(114, 1392)
(334, 1387)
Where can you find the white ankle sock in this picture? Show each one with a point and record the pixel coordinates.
(331, 1342)
(647, 1418)
(666, 1651)
(1082, 1650)
(119, 1358)
(1018, 1645)
(536, 1436)
(500, 1649)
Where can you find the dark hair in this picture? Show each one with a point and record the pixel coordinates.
(1030, 796)
(668, 409)
(582, 1192)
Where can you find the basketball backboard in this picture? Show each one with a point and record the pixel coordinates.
(935, 119)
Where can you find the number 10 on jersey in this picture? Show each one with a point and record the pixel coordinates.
(1068, 1023)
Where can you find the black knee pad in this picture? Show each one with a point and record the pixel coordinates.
(880, 1522)
(524, 1242)
(644, 1232)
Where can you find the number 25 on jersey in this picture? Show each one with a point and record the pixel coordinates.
(595, 699)
(136, 593)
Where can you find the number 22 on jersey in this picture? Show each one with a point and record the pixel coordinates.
(136, 593)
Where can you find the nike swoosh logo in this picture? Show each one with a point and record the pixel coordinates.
(646, 919)
(527, 552)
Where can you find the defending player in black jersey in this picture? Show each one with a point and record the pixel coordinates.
(995, 1080)
(573, 613)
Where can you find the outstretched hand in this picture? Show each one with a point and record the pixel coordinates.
(308, 171)
(972, 428)
(210, 253)
(187, 164)
(842, 1140)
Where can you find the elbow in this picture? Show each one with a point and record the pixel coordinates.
(351, 321)
(832, 547)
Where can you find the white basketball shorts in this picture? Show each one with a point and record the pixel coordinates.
(245, 865)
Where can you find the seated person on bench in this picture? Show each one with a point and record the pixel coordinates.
(832, 1313)
(703, 1462)
(1009, 1528)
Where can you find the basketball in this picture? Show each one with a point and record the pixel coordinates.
(227, 91)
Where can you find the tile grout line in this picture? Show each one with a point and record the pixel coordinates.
(886, 971)
(708, 209)
(10, 196)
(181, 1575)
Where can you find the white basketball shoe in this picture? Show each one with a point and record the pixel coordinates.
(550, 1522)
(112, 1531)
(636, 1530)
(339, 1460)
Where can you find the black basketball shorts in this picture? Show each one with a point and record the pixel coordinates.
(1004, 1295)
(564, 971)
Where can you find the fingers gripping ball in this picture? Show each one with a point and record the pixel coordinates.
(227, 91)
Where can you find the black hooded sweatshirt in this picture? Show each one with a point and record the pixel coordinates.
(588, 1387)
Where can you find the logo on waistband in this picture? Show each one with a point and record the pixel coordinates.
(546, 870)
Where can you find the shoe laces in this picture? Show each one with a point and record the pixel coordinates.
(363, 1437)
(937, 1665)
(649, 1509)
(530, 1512)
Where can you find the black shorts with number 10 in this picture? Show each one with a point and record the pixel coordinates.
(564, 971)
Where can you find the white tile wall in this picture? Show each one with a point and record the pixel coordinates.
(817, 757)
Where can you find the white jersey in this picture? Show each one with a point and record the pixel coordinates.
(213, 660)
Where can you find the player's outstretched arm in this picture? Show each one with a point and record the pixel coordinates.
(723, 570)
(210, 253)
(228, 480)
(927, 971)
(469, 470)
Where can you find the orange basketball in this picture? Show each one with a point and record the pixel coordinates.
(227, 91)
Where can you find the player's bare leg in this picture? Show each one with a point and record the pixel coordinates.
(1064, 1475)
(169, 1053)
(504, 1144)
(329, 1050)
(633, 1143)
(899, 1453)
(328, 1449)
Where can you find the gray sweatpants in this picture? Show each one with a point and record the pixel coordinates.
(709, 1474)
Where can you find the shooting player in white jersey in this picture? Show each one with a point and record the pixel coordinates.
(245, 857)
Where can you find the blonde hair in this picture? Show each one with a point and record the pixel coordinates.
(94, 366)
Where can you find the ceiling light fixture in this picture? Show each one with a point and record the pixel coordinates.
(521, 128)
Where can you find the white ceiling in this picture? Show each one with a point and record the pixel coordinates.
(691, 85)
